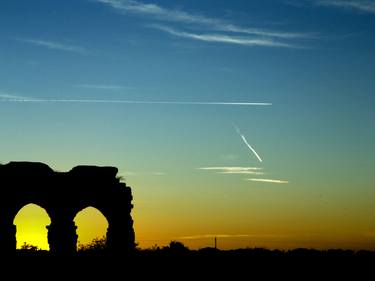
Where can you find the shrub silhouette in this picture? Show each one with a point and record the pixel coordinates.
(28, 247)
(96, 245)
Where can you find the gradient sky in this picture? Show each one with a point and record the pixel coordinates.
(150, 87)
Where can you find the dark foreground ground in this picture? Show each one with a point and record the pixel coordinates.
(204, 264)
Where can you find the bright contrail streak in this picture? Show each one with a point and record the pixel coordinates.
(247, 144)
(36, 100)
(268, 180)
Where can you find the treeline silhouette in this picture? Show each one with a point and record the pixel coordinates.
(176, 261)
(97, 247)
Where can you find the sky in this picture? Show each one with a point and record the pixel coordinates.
(249, 121)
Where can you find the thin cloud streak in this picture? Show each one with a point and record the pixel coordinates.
(362, 6)
(158, 12)
(261, 32)
(242, 172)
(11, 98)
(232, 169)
(247, 144)
(55, 46)
(164, 14)
(223, 38)
(102, 87)
(235, 170)
(269, 181)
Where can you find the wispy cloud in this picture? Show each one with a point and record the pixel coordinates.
(11, 98)
(158, 13)
(247, 144)
(267, 33)
(269, 180)
(244, 170)
(103, 87)
(164, 14)
(223, 38)
(55, 45)
(359, 5)
(235, 170)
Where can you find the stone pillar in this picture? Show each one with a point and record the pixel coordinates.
(120, 232)
(62, 237)
(120, 236)
(8, 240)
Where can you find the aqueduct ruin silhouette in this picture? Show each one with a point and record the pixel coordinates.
(63, 195)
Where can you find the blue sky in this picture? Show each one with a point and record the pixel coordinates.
(136, 84)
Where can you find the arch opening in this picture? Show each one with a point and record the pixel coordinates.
(92, 228)
(31, 221)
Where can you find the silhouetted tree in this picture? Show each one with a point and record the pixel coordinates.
(177, 247)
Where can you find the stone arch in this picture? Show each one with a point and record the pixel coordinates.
(62, 195)
(82, 221)
(38, 209)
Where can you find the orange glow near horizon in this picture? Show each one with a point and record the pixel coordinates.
(31, 222)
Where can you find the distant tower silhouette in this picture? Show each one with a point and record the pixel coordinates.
(215, 243)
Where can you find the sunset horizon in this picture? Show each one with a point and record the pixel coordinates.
(248, 124)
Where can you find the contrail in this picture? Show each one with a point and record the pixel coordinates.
(247, 144)
(42, 100)
(268, 180)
